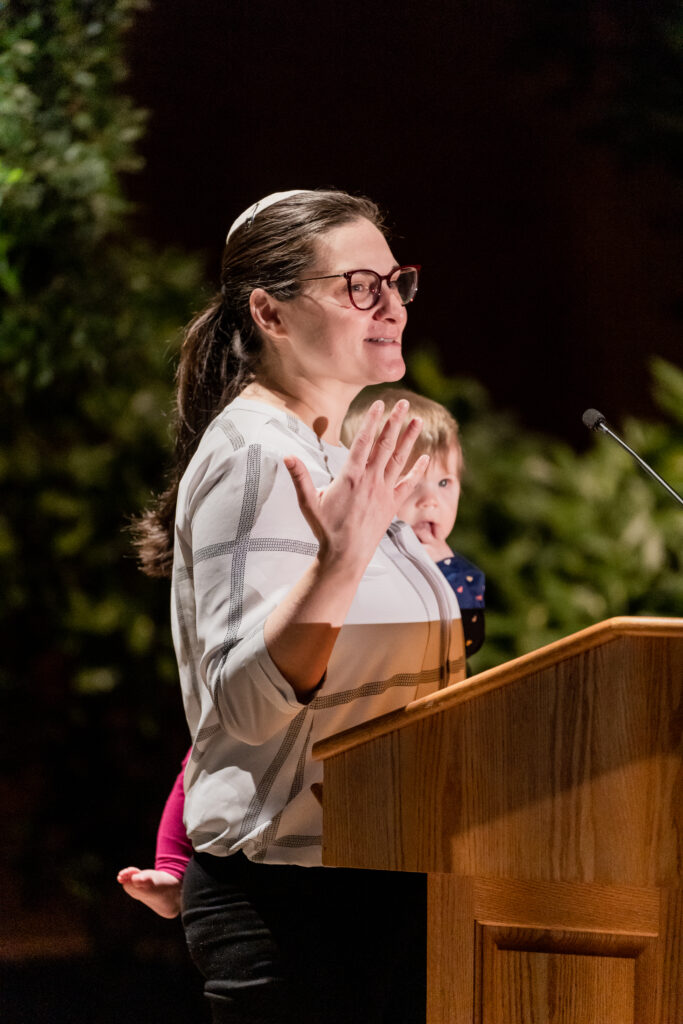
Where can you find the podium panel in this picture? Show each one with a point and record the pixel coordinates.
(543, 800)
(502, 952)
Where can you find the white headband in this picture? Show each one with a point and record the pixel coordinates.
(262, 204)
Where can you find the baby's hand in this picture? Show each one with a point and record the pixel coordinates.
(158, 890)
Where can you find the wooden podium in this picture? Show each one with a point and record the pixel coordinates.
(543, 799)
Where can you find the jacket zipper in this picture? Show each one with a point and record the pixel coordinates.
(430, 575)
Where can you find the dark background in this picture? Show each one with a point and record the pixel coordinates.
(521, 150)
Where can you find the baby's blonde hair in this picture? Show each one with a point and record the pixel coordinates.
(439, 435)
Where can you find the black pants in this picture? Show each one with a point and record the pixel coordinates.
(291, 945)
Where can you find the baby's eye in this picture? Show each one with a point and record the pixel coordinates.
(447, 480)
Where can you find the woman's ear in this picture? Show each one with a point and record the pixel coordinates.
(265, 312)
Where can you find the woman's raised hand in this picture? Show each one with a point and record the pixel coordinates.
(350, 516)
(348, 519)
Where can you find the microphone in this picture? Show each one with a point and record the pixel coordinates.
(594, 420)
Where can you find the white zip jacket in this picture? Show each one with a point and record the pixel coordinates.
(241, 543)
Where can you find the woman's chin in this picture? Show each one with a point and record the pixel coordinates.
(391, 371)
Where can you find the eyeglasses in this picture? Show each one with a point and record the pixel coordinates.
(365, 286)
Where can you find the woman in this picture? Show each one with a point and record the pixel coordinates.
(300, 608)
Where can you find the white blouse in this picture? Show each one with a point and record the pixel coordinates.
(241, 543)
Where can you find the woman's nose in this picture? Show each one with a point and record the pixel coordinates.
(389, 306)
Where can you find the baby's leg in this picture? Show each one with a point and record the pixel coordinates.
(159, 890)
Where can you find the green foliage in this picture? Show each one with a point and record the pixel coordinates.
(565, 538)
(88, 335)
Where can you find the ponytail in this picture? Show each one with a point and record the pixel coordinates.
(214, 368)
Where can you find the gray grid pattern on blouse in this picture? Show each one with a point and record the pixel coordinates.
(299, 731)
(238, 548)
(269, 835)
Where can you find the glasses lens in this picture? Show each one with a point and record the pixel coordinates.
(405, 283)
(363, 288)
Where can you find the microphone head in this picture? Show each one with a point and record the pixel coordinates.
(593, 419)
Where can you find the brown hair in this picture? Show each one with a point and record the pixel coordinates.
(221, 349)
(439, 434)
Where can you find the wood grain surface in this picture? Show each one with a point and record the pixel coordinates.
(543, 799)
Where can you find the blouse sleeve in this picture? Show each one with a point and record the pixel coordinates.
(241, 544)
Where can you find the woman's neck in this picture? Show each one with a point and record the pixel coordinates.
(320, 410)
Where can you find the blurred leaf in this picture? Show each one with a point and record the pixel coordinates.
(89, 324)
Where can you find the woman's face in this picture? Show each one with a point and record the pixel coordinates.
(326, 340)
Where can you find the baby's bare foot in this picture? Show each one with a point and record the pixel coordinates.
(158, 890)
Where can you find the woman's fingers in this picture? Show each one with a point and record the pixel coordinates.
(403, 450)
(384, 453)
(363, 442)
(385, 445)
(306, 494)
(406, 485)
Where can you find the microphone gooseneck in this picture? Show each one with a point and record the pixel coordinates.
(594, 420)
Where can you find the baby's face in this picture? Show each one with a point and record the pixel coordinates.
(432, 507)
